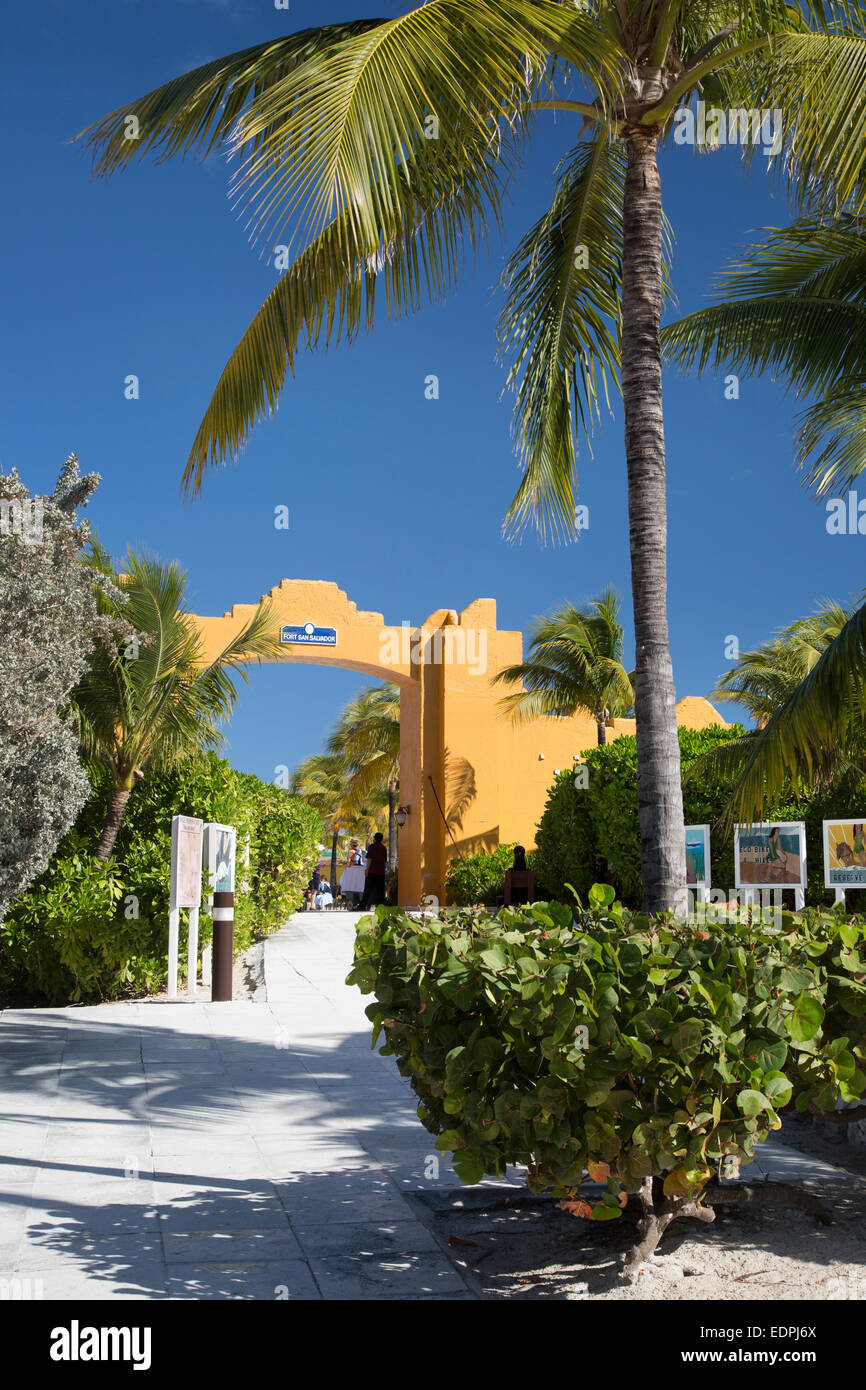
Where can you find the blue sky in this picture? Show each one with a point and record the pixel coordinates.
(397, 498)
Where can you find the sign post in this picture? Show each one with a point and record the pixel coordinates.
(698, 870)
(844, 856)
(770, 856)
(185, 891)
(220, 854)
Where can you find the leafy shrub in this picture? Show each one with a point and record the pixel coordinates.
(592, 832)
(566, 850)
(129, 901)
(623, 1046)
(479, 878)
(70, 940)
(48, 629)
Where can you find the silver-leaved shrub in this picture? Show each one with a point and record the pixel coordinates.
(48, 628)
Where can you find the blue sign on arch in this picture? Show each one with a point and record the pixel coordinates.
(309, 635)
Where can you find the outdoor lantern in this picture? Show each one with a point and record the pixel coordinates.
(402, 815)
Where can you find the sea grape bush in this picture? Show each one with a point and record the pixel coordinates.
(618, 1045)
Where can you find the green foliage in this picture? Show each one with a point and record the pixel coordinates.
(48, 630)
(478, 878)
(68, 940)
(565, 851)
(591, 832)
(618, 1044)
(149, 704)
(69, 937)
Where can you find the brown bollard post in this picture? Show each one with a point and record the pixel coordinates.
(223, 946)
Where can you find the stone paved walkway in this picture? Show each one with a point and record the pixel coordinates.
(244, 1150)
(197, 1150)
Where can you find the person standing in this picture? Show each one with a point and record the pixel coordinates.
(377, 858)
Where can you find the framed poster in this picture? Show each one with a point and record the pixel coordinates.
(220, 854)
(698, 856)
(845, 853)
(186, 835)
(770, 856)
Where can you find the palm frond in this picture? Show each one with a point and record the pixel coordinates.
(559, 330)
(811, 734)
(151, 701)
(574, 663)
(199, 110)
(831, 436)
(339, 134)
(818, 82)
(762, 680)
(794, 303)
(328, 294)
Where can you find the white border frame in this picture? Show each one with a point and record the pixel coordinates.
(211, 829)
(190, 822)
(705, 883)
(783, 825)
(174, 911)
(839, 820)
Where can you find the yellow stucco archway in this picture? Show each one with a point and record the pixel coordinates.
(471, 778)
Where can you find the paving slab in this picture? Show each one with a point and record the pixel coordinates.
(394, 1277)
(248, 1150)
(263, 1280)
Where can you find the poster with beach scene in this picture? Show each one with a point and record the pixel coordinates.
(220, 851)
(770, 855)
(845, 853)
(698, 856)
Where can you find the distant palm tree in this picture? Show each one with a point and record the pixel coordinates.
(320, 780)
(795, 304)
(761, 681)
(323, 780)
(367, 740)
(807, 691)
(150, 701)
(575, 663)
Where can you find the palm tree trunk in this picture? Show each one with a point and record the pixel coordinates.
(660, 801)
(334, 859)
(116, 808)
(392, 824)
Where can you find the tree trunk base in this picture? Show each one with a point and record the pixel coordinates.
(658, 1215)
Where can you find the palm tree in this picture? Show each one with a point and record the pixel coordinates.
(367, 740)
(320, 781)
(806, 690)
(381, 149)
(149, 700)
(575, 664)
(761, 681)
(795, 303)
(324, 782)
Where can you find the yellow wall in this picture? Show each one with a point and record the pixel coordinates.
(455, 741)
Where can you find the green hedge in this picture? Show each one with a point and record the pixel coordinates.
(618, 1045)
(476, 879)
(592, 833)
(85, 931)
